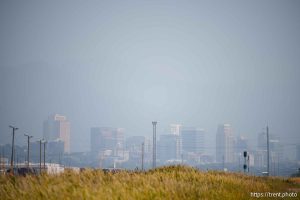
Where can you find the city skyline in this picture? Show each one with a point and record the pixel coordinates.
(258, 143)
(180, 145)
(196, 63)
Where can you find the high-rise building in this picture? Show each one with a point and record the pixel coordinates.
(168, 147)
(193, 140)
(58, 127)
(275, 146)
(134, 148)
(224, 144)
(134, 143)
(175, 129)
(241, 144)
(274, 141)
(106, 138)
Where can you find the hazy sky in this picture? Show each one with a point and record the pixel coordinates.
(126, 63)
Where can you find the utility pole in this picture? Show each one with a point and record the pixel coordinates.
(41, 155)
(268, 152)
(12, 150)
(277, 164)
(28, 142)
(45, 155)
(2, 160)
(143, 156)
(154, 144)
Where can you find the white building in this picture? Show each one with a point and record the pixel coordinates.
(224, 144)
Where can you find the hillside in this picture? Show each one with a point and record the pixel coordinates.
(174, 182)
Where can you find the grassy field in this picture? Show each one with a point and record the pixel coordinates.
(174, 182)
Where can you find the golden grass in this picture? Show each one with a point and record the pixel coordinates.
(173, 182)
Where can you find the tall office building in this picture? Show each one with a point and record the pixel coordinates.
(134, 148)
(175, 129)
(106, 138)
(241, 144)
(134, 143)
(58, 127)
(168, 147)
(224, 144)
(275, 147)
(193, 140)
(274, 142)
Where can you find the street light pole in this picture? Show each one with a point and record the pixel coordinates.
(40, 156)
(268, 152)
(143, 156)
(154, 144)
(28, 142)
(12, 150)
(45, 155)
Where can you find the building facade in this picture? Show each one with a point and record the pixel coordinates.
(168, 147)
(193, 140)
(106, 138)
(224, 144)
(57, 127)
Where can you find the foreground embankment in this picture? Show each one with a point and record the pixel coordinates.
(174, 182)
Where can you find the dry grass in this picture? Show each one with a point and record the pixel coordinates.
(175, 182)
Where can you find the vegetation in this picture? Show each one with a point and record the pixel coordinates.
(173, 182)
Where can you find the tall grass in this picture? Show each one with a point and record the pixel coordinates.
(174, 182)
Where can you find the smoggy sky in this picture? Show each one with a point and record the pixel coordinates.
(126, 63)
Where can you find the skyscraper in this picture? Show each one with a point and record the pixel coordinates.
(106, 138)
(241, 144)
(58, 127)
(275, 149)
(168, 147)
(175, 129)
(193, 139)
(224, 144)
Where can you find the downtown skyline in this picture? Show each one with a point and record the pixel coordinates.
(196, 63)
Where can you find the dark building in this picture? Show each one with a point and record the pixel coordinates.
(168, 147)
(192, 140)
